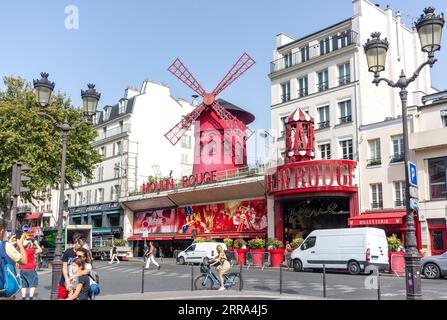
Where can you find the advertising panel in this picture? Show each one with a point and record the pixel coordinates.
(157, 221)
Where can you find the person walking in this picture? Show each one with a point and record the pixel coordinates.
(223, 265)
(114, 255)
(151, 256)
(28, 273)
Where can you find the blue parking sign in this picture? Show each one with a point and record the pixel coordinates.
(413, 174)
(25, 228)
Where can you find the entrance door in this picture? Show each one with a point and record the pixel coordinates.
(438, 241)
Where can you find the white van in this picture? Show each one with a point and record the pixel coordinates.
(349, 249)
(199, 252)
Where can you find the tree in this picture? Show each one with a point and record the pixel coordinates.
(28, 138)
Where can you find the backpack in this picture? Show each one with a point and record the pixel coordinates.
(94, 287)
(10, 282)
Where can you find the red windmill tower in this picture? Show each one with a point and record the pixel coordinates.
(300, 137)
(222, 133)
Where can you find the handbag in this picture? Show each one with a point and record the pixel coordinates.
(94, 286)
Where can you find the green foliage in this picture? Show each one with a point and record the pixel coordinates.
(239, 243)
(228, 242)
(119, 242)
(200, 239)
(393, 243)
(296, 242)
(26, 137)
(274, 243)
(257, 243)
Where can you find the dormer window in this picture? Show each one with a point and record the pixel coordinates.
(106, 113)
(122, 106)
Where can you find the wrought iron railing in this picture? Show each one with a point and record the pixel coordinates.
(324, 124)
(399, 203)
(398, 158)
(344, 80)
(377, 205)
(285, 97)
(323, 86)
(303, 92)
(113, 132)
(345, 119)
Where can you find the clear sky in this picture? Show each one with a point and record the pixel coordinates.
(121, 43)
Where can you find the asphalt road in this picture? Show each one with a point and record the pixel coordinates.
(127, 278)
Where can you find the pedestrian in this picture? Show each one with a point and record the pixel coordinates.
(15, 256)
(114, 255)
(81, 282)
(288, 247)
(146, 252)
(28, 273)
(83, 254)
(67, 259)
(222, 264)
(151, 257)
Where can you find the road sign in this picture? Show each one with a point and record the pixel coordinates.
(414, 192)
(412, 172)
(25, 228)
(145, 233)
(145, 224)
(414, 204)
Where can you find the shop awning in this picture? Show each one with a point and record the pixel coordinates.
(33, 216)
(379, 218)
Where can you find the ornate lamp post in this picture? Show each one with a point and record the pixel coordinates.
(429, 28)
(43, 90)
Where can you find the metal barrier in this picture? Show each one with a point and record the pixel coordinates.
(258, 259)
(398, 264)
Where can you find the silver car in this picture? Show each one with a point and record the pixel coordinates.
(434, 267)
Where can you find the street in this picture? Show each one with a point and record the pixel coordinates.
(126, 278)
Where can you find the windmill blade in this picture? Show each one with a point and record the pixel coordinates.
(178, 69)
(176, 133)
(244, 63)
(227, 116)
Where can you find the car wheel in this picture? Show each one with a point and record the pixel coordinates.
(297, 265)
(181, 260)
(431, 271)
(354, 267)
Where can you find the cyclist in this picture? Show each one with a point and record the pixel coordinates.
(222, 265)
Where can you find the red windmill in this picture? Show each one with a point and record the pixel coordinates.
(212, 111)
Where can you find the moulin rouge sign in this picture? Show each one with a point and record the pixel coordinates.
(310, 176)
(187, 181)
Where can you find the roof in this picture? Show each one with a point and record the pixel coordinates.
(114, 111)
(378, 218)
(300, 115)
(247, 116)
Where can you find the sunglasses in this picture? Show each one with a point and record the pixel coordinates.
(80, 256)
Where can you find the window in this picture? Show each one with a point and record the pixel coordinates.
(103, 151)
(304, 51)
(303, 85)
(100, 173)
(444, 117)
(186, 142)
(121, 124)
(344, 74)
(114, 220)
(184, 158)
(376, 196)
(309, 243)
(346, 148)
(323, 80)
(345, 111)
(68, 199)
(117, 171)
(117, 148)
(97, 221)
(100, 195)
(288, 60)
(89, 196)
(114, 192)
(122, 106)
(285, 91)
(398, 148)
(374, 153)
(106, 113)
(324, 46)
(323, 113)
(399, 193)
(80, 196)
(437, 169)
(346, 38)
(325, 151)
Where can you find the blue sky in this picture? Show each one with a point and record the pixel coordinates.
(121, 43)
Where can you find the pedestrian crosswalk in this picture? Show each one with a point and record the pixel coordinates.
(129, 269)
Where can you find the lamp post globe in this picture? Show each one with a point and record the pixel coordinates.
(90, 99)
(376, 50)
(43, 90)
(429, 27)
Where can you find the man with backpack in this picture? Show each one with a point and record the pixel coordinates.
(9, 256)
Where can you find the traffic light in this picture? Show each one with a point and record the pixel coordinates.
(18, 177)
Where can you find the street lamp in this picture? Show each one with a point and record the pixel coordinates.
(429, 28)
(90, 97)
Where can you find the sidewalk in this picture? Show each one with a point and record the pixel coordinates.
(207, 295)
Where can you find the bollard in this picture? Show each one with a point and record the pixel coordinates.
(142, 281)
(378, 284)
(240, 277)
(324, 280)
(280, 279)
(192, 277)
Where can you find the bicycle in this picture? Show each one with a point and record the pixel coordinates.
(207, 279)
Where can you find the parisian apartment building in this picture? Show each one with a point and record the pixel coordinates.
(130, 139)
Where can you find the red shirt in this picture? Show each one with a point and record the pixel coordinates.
(31, 265)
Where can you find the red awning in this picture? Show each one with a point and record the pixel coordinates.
(379, 218)
(33, 216)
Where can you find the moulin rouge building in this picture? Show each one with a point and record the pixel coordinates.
(224, 197)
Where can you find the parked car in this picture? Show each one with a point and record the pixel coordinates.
(434, 267)
(352, 249)
(200, 252)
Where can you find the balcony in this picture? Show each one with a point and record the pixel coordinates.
(398, 158)
(342, 81)
(303, 92)
(399, 203)
(377, 205)
(285, 98)
(346, 38)
(346, 119)
(113, 132)
(323, 86)
(323, 125)
(374, 162)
